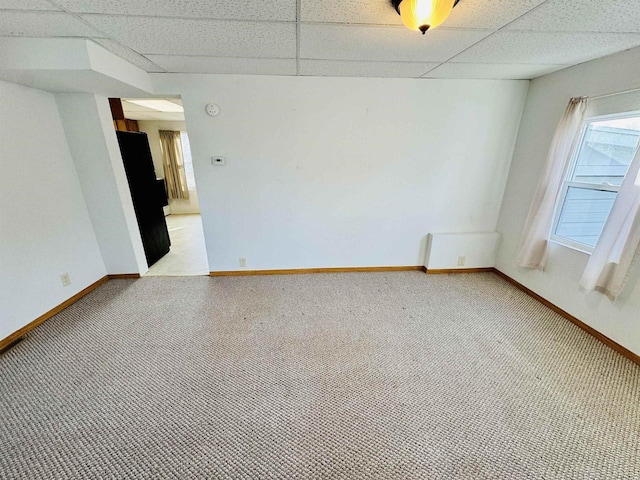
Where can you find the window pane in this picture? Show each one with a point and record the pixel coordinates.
(607, 151)
(188, 161)
(584, 214)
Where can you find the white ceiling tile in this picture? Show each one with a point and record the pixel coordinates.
(547, 48)
(164, 36)
(27, 5)
(378, 12)
(378, 43)
(129, 55)
(498, 71)
(583, 16)
(483, 14)
(284, 10)
(226, 65)
(488, 13)
(43, 24)
(337, 68)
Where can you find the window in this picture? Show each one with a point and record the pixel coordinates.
(606, 148)
(188, 161)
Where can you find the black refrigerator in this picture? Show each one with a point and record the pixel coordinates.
(147, 202)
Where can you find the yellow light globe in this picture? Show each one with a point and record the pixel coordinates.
(422, 15)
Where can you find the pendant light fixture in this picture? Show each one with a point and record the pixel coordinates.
(421, 15)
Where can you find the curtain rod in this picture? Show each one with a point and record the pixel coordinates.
(606, 95)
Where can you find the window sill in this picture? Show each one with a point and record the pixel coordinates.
(575, 246)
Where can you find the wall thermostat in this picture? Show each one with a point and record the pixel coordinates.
(212, 109)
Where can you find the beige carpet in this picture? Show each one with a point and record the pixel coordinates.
(342, 376)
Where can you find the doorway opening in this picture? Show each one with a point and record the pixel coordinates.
(160, 122)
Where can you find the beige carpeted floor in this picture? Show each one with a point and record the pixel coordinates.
(337, 376)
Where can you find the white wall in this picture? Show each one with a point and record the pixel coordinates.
(92, 139)
(328, 172)
(188, 206)
(546, 103)
(152, 128)
(45, 229)
(477, 249)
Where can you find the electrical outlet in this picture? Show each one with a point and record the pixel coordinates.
(243, 262)
(462, 261)
(65, 278)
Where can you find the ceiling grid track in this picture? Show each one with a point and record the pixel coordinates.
(298, 19)
(106, 36)
(481, 39)
(485, 38)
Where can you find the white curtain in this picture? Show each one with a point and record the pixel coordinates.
(609, 264)
(532, 252)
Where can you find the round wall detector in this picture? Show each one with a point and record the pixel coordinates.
(212, 109)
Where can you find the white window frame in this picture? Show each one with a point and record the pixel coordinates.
(568, 183)
(192, 188)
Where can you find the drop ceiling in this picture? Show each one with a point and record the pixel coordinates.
(501, 39)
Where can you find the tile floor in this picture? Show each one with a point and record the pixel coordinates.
(188, 255)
